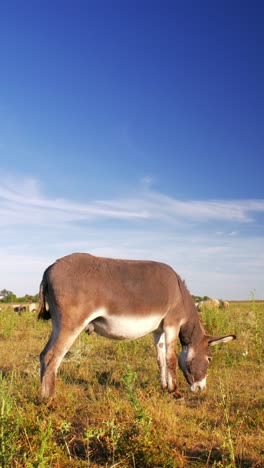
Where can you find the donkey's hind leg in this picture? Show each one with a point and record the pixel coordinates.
(57, 346)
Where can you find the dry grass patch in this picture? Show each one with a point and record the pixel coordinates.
(110, 410)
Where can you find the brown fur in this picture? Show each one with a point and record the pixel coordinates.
(90, 293)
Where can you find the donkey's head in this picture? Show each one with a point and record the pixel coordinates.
(194, 360)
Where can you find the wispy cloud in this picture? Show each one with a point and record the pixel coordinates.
(23, 201)
(208, 241)
(224, 267)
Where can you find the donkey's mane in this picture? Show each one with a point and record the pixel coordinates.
(186, 295)
(189, 302)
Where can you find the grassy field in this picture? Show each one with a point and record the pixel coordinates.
(110, 410)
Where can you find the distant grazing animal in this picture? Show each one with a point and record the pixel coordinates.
(212, 304)
(19, 308)
(123, 299)
(208, 304)
(32, 307)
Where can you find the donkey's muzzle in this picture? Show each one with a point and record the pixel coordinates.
(196, 386)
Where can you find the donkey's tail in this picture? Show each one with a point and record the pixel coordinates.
(44, 313)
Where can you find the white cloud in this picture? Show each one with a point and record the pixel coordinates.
(147, 181)
(21, 201)
(200, 239)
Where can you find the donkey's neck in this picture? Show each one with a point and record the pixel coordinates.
(191, 332)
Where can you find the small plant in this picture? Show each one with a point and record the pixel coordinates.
(8, 321)
(258, 335)
(65, 428)
(102, 442)
(129, 380)
(228, 440)
(9, 427)
(46, 433)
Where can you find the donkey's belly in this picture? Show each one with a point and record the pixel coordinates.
(121, 328)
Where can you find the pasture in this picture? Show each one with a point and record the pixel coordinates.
(110, 410)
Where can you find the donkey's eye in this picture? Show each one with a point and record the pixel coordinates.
(209, 358)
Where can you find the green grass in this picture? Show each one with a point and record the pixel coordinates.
(110, 410)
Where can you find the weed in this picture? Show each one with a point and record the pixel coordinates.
(228, 443)
(129, 380)
(65, 428)
(45, 434)
(258, 335)
(9, 427)
(8, 321)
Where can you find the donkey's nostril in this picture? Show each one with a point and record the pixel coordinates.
(201, 385)
(194, 388)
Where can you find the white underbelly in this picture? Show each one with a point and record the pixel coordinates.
(121, 328)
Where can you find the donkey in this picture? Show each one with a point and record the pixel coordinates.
(123, 299)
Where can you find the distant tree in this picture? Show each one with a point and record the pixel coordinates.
(9, 298)
(197, 298)
(200, 298)
(5, 292)
(35, 298)
(28, 298)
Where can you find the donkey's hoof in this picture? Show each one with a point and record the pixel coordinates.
(50, 403)
(47, 399)
(178, 396)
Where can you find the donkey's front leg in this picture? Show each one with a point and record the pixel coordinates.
(171, 337)
(159, 339)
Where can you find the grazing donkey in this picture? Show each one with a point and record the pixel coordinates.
(123, 299)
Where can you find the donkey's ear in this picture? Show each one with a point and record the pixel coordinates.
(215, 340)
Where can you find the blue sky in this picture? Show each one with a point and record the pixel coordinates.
(133, 129)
